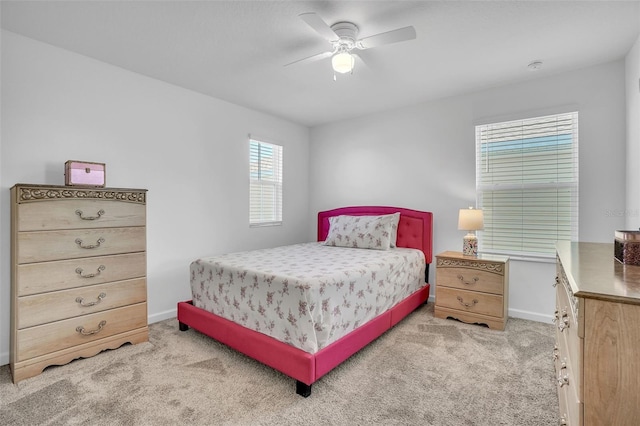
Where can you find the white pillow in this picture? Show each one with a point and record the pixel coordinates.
(368, 232)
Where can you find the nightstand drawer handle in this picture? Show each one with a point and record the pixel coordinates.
(100, 213)
(80, 329)
(555, 352)
(80, 300)
(100, 269)
(461, 278)
(90, 246)
(563, 420)
(467, 305)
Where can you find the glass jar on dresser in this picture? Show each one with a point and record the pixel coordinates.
(78, 273)
(597, 348)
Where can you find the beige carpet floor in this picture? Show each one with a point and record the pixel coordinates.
(425, 371)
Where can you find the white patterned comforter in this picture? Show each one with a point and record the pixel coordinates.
(307, 295)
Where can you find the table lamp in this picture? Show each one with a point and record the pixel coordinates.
(470, 220)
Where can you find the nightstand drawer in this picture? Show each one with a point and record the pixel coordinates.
(468, 301)
(470, 279)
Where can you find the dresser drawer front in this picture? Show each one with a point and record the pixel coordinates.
(52, 337)
(49, 307)
(467, 301)
(72, 244)
(568, 337)
(34, 278)
(470, 279)
(571, 407)
(77, 214)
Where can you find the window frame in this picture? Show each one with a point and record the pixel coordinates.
(262, 181)
(533, 150)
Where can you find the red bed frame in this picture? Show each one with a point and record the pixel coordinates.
(414, 231)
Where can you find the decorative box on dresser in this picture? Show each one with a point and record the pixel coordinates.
(78, 273)
(472, 289)
(597, 352)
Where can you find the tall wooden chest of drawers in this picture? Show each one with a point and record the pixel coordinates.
(597, 352)
(472, 288)
(78, 273)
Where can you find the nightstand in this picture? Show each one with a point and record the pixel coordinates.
(472, 289)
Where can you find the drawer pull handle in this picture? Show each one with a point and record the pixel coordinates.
(90, 246)
(80, 329)
(461, 278)
(555, 352)
(467, 305)
(563, 380)
(100, 269)
(80, 300)
(100, 213)
(563, 322)
(563, 420)
(557, 281)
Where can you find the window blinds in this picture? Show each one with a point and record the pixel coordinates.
(527, 184)
(265, 188)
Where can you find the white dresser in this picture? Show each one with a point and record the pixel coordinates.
(597, 352)
(78, 273)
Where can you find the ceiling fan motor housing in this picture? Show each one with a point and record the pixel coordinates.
(347, 33)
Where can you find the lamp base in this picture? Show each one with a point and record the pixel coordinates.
(470, 245)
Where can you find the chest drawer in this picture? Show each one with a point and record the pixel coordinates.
(77, 243)
(76, 214)
(470, 279)
(43, 339)
(34, 278)
(479, 303)
(49, 307)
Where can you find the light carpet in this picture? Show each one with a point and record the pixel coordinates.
(424, 371)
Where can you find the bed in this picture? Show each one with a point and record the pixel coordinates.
(321, 315)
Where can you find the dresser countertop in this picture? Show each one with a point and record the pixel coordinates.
(599, 274)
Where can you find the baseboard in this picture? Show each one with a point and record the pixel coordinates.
(161, 316)
(533, 316)
(4, 358)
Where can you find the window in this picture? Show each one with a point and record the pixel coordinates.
(265, 188)
(527, 184)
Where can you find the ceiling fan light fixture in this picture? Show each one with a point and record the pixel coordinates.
(343, 62)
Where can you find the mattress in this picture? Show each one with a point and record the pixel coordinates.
(306, 295)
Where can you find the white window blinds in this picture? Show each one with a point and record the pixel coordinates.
(265, 188)
(527, 184)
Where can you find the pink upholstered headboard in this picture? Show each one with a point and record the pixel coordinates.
(415, 229)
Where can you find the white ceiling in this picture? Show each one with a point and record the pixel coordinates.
(235, 50)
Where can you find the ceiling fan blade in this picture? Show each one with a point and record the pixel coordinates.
(393, 36)
(361, 60)
(311, 58)
(321, 27)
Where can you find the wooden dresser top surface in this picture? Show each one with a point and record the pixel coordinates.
(594, 272)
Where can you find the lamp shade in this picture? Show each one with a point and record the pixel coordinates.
(342, 62)
(470, 219)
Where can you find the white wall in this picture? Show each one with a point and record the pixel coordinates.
(189, 150)
(632, 211)
(423, 157)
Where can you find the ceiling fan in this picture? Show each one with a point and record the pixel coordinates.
(343, 37)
